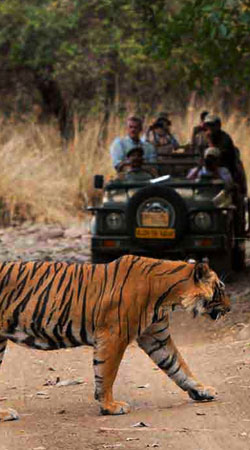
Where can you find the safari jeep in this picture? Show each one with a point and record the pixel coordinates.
(168, 217)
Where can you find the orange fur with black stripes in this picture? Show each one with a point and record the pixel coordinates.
(54, 305)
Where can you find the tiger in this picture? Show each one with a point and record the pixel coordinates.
(56, 305)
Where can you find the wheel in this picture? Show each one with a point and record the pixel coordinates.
(239, 257)
(222, 264)
(161, 202)
(102, 258)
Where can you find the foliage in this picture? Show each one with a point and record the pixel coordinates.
(100, 50)
(206, 39)
(45, 184)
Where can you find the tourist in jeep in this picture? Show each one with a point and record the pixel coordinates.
(198, 140)
(134, 170)
(120, 146)
(160, 136)
(210, 168)
(218, 138)
(214, 136)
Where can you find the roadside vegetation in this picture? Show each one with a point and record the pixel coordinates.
(42, 182)
(71, 70)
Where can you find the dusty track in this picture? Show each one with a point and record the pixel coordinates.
(68, 417)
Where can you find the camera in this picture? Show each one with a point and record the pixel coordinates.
(161, 123)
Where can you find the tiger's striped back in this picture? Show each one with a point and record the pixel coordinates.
(50, 305)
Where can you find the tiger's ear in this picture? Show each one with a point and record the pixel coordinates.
(201, 270)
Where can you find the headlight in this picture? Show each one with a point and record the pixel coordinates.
(114, 221)
(203, 221)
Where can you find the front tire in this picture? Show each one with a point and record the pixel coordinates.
(222, 264)
(239, 257)
(102, 258)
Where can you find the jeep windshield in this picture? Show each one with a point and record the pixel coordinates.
(121, 191)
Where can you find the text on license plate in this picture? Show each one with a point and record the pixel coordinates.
(155, 233)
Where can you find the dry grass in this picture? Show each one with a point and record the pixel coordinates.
(42, 182)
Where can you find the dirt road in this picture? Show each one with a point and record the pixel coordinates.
(67, 417)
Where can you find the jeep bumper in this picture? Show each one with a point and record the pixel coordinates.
(191, 244)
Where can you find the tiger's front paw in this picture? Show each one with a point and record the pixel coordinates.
(202, 393)
(8, 414)
(115, 408)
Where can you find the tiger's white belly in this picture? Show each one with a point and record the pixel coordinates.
(27, 340)
(47, 342)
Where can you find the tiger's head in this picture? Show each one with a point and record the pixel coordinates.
(206, 293)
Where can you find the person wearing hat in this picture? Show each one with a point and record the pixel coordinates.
(216, 137)
(210, 168)
(120, 146)
(160, 136)
(229, 159)
(134, 168)
(229, 154)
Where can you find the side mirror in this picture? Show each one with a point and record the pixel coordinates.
(98, 181)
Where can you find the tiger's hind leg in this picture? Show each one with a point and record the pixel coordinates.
(5, 414)
(108, 353)
(157, 343)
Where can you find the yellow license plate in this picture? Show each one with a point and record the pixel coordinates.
(155, 233)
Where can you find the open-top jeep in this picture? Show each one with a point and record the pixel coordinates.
(168, 217)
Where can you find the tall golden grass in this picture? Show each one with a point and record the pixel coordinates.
(41, 181)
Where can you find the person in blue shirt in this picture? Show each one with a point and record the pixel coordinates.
(120, 146)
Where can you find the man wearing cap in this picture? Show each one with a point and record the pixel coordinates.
(211, 168)
(134, 170)
(216, 137)
(121, 146)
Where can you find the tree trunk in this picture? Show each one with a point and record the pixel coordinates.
(54, 104)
